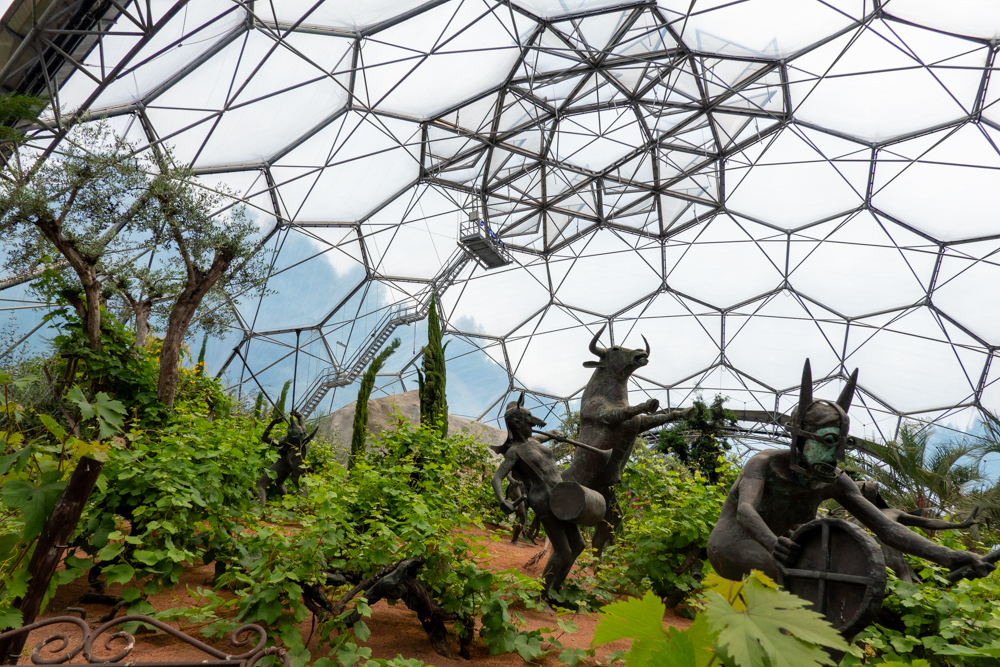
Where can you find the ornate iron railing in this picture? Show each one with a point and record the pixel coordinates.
(46, 654)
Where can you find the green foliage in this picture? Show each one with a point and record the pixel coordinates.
(15, 108)
(118, 369)
(913, 474)
(668, 514)
(360, 431)
(175, 495)
(772, 629)
(36, 459)
(411, 497)
(942, 624)
(699, 441)
(433, 401)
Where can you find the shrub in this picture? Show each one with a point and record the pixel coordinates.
(668, 513)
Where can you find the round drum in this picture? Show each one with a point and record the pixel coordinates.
(841, 570)
(572, 502)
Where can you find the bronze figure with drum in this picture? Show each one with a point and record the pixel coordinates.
(768, 521)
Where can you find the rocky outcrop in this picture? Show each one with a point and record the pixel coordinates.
(336, 427)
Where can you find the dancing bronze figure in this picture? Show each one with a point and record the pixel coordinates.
(291, 456)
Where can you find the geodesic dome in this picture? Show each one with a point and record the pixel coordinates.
(746, 184)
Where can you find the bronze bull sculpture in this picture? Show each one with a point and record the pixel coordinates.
(608, 422)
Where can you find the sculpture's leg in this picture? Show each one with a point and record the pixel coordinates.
(284, 468)
(262, 484)
(280, 470)
(521, 518)
(567, 544)
(612, 517)
(735, 558)
(560, 554)
(298, 470)
(532, 531)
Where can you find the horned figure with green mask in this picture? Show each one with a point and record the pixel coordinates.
(779, 491)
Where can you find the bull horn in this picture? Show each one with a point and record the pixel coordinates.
(598, 351)
(647, 345)
(806, 391)
(847, 395)
(520, 400)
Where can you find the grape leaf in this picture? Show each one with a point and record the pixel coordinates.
(35, 502)
(53, 426)
(111, 414)
(20, 457)
(10, 618)
(776, 626)
(631, 619)
(75, 395)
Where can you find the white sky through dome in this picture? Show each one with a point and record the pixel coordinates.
(745, 184)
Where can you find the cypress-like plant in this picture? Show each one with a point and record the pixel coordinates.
(361, 408)
(433, 401)
(200, 366)
(258, 407)
(279, 407)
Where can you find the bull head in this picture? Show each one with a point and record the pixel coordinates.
(619, 361)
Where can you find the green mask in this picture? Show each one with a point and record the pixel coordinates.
(820, 454)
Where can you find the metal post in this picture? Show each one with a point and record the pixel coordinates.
(295, 369)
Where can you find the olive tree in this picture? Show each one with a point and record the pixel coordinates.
(133, 226)
(206, 251)
(75, 206)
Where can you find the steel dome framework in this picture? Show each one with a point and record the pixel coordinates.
(745, 183)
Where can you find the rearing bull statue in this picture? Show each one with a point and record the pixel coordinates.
(607, 421)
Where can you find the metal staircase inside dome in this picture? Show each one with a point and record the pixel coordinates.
(348, 372)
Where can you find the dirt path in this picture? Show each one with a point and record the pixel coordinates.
(395, 630)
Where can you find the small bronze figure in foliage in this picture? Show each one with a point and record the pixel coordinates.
(291, 456)
(779, 490)
(532, 463)
(517, 494)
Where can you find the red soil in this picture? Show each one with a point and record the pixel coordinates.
(395, 630)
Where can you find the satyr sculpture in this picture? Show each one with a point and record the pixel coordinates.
(532, 464)
(291, 456)
(608, 422)
(779, 490)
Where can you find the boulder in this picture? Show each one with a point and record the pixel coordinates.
(336, 427)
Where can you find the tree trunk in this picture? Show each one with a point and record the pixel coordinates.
(49, 550)
(142, 310)
(92, 325)
(198, 285)
(86, 271)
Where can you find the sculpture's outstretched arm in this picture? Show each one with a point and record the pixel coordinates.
(898, 536)
(617, 416)
(647, 422)
(266, 437)
(928, 523)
